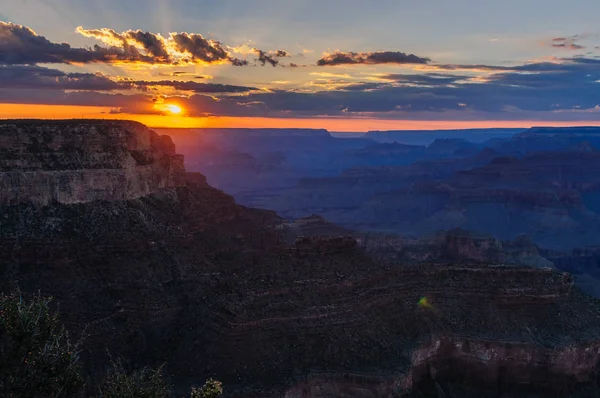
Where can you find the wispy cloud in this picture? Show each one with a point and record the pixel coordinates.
(370, 58)
(567, 43)
(271, 57)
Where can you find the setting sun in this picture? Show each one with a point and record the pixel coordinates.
(172, 108)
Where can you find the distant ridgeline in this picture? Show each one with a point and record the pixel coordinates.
(425, 137)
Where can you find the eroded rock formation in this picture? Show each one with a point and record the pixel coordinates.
(44, 162)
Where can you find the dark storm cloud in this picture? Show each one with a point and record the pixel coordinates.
(430, 79)
(238, 62)
(36, 77)
(60, 97)
(561, 64)
(20, 45)
(371, 58)
(474, 67)
(151, 44)
(199, 48)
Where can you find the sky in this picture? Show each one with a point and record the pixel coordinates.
(342, 65)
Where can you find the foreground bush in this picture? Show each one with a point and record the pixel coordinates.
(211, 389)
(37, 359)
(145, 383)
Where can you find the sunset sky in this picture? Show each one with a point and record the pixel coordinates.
(348, 65)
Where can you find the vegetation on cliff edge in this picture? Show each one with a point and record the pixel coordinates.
(37, 359)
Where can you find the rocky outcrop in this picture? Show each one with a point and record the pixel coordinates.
(45, 162)
(464, 367)
(501, 367)
(455, 246)
(451, 246)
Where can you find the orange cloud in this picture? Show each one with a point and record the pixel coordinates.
(179, 48)
(21, 45)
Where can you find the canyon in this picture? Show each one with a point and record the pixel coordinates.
(540, 182)
(153, 264)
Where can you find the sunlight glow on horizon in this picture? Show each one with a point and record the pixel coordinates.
(175, 120)
(172, 109)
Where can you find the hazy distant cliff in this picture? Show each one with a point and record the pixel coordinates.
(83, 161)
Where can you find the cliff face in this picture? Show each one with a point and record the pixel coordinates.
(77, 162)
(468, 368)
(445, 247)
(186, 276)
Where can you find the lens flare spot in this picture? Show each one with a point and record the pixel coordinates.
(424, 303)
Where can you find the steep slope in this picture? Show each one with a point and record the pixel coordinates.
(83, 161)
(183, 275)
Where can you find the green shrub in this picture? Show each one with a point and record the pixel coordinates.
(37, 358)
(145, 383)
(211, 389)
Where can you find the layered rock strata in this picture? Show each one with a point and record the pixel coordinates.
(67, 162)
